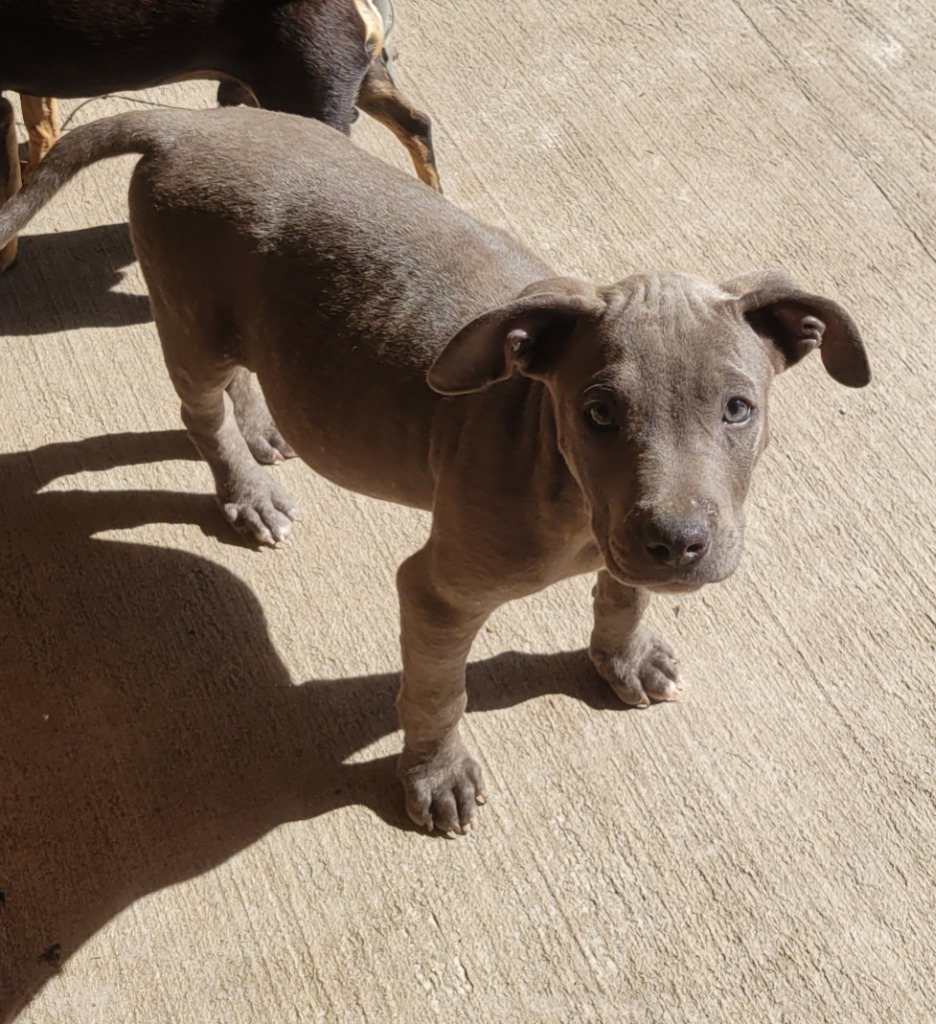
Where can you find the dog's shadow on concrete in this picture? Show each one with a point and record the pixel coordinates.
(65, 280)
(148, 729)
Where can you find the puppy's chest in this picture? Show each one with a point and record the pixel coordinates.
(535, 553)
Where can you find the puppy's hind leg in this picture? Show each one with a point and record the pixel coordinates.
(266, 443)
(252, 502)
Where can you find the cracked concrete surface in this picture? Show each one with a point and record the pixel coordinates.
(199, 821)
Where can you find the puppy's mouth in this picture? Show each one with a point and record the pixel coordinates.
(713, 568)
(674, 584)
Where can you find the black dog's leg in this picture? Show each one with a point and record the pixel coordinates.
(10, 177)
(232, 93)
(310, 60)
(380, 98)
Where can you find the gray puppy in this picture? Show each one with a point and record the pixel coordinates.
(565, 428)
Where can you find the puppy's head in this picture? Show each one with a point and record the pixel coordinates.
(659, 387)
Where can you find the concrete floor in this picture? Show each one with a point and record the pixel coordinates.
(199, 821)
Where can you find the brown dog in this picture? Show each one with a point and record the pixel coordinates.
(318, 58)
(565, 427)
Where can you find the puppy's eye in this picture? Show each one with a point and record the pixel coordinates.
(737, 410)
(599, 415)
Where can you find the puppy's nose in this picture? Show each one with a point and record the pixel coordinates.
(676, 542)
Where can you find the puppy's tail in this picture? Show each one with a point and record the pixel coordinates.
(142, 132)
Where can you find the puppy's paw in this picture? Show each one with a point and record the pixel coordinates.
(444, 791)
(254, 504)
(642, 672)
(269, 446)
(266, 443)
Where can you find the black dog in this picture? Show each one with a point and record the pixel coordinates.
(317, 58)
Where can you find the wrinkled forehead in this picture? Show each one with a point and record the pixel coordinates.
(661, 293)
(667, 326)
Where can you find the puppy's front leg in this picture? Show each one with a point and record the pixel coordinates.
(441, 780)
(639, 665)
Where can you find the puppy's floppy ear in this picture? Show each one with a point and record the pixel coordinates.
(797, 322)
(522, 335)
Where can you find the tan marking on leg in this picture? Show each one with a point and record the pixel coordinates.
(384, 102)
(373, 25)
(41, 115)
(10, 176)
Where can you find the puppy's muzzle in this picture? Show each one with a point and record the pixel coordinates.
(673, 541)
